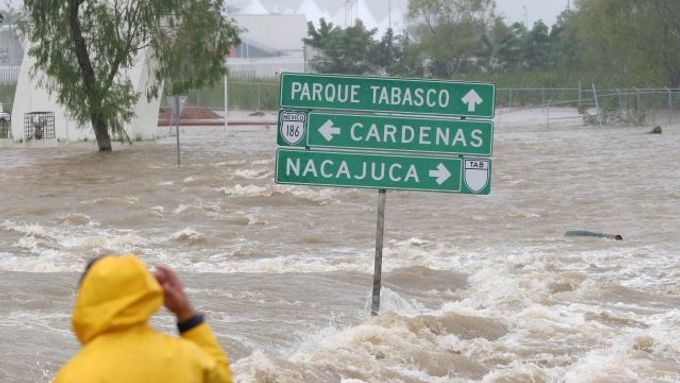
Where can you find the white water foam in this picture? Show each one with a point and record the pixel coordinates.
(64, 247)
(392, 347)
(321, 196)
(125, 200)
(190, 235)
(254, 174)
(245, 191)
(74, 219)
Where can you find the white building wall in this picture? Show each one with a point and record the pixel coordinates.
(144, 126)
(31, 97)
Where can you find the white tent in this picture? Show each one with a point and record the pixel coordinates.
(31, 99)
(254, 8)
(280, 9)
(340, 18)
(397, 21)
(347, 15)
(312, 12)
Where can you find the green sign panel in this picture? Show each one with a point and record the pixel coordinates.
(375, 94)
(411, 134)
(366, 170)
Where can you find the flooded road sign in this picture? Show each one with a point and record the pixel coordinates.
(405, 117)
(398, 133)
(380, 171)
(376, 94)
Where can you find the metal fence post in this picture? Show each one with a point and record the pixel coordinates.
(625, 105)
(259, 96)
(542, 96)
(620, 107)
(637, 96)
(579, 94)
(670, 106)
(653, 106)
(510, 99)
(597, 105)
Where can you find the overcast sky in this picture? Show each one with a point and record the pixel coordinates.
(514, 10)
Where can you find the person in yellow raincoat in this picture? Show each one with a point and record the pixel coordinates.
(116, 299)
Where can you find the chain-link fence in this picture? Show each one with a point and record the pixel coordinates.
(9, 74)
(264, 68)
(242, 95)
(637, 106)
(593, 106)
(574, 106)
(586, 105)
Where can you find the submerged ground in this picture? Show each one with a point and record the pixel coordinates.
(476, 288)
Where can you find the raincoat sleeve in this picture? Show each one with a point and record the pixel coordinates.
(204, 338)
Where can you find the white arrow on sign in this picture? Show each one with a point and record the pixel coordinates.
(441, 173)
(327, 130)
(472, 99)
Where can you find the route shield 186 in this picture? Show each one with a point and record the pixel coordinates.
(292, 128)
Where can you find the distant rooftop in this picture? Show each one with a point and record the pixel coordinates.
(373, 13)
(283, 33)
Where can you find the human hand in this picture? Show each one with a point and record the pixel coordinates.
(175, 299)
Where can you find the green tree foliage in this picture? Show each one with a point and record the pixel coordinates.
(355, 50)
(611, 42)
(508, 46)
(564, 47)
(451, 34)
(637, 40)
(84, 47)
(342, 50)
(538, 45)
(391, 55)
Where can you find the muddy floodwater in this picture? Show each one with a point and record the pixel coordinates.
(476, 288)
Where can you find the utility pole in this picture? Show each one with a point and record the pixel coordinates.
(350, 13)
(389, 13)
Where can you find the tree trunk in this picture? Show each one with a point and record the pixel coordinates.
(101, 132)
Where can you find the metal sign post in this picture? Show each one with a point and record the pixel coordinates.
(226, 103)
(377, 266)
(177, 116)
(177, 104)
